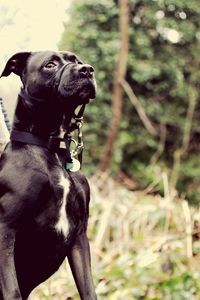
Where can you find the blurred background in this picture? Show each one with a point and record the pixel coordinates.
(142, 137)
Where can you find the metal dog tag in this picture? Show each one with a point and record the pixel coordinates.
(75, 165)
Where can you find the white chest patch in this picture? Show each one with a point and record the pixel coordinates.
(62, 225)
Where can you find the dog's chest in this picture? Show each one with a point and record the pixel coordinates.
(62, 224)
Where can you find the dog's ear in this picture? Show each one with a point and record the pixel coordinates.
(16, 64)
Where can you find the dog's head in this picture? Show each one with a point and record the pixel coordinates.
(48, 74)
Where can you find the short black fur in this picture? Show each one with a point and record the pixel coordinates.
(31, 194)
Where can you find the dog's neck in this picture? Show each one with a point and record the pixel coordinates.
(42, 119)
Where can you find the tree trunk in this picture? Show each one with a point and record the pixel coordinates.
(120, 72)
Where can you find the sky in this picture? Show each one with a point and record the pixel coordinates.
(27, 25)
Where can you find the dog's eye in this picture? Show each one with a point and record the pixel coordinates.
(72, 58)
(50, 65)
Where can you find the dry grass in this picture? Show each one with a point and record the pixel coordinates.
(143, 246)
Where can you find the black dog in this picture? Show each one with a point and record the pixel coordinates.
(43, 207)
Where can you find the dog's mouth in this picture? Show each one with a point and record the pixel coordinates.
(76, 93)
(86, 90)
(81, 91)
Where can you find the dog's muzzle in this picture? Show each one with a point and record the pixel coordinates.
(76, 81)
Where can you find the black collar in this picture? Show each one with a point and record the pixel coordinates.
(52, 143)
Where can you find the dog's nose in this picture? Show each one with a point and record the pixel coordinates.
(86, 71)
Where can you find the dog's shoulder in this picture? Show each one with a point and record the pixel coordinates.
(20, 171)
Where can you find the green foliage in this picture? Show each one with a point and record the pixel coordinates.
(138, 246)
(163, 70)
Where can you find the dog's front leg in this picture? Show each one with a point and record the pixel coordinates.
(9, 289)
(79, 260)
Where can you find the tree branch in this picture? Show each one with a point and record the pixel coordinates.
(141, 113)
